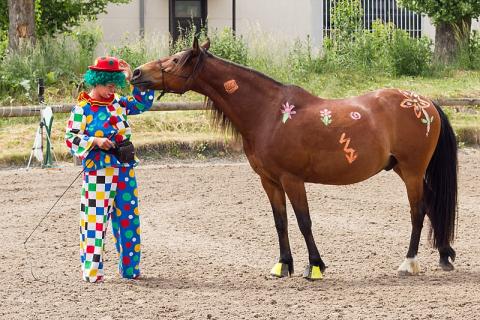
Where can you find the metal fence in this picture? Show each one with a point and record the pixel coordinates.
(384, 10)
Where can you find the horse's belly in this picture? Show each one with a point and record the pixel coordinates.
(348, 166)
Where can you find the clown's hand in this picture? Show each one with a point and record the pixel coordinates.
(126, 69)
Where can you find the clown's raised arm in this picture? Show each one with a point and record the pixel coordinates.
(138, 102)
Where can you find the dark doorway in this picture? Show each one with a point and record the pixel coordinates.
(185, 13)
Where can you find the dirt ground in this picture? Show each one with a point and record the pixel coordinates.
(209, 243)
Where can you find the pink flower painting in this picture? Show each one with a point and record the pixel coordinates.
(287, 110)
(326, 116)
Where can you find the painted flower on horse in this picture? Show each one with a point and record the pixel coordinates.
(419, 105)
(326, 116)
(287, 110)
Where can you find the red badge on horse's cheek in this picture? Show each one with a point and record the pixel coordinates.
(231, 86)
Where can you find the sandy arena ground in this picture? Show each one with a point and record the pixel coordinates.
(209, 243)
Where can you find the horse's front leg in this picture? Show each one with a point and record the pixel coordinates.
(276, 195)
(295, 189)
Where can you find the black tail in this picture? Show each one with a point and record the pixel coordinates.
(440, 185)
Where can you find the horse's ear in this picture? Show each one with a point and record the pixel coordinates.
(206, 44)
(195, 47)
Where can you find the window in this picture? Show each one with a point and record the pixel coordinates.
(185, 13)
(385, 10)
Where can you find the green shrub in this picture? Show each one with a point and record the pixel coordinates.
(384, 50)
(60, 61)
(133, 53)
(185, 39)
(3, 44)
(301, 60)
(469, 56)
(88, 39)
(230, 47)
(410, 56)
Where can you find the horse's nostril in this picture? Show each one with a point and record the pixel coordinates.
(136, 74)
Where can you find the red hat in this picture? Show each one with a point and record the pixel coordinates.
(108, 64)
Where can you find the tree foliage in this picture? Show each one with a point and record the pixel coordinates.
(56, 16)
(3, 16)
(445, 10)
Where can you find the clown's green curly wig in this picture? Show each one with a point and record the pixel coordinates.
(93, 78)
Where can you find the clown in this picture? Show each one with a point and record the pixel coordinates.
(98, 132)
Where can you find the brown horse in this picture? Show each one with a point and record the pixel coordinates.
(291, 137)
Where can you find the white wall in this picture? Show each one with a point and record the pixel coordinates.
(219, 14)
(120, 20)
(156, 16)
(428, 29)
(285, 18)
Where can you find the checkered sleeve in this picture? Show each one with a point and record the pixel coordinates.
(77, 141)
(138, 102)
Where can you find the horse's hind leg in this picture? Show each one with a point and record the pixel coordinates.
(414, 184)
(295, 190)
(276, 195)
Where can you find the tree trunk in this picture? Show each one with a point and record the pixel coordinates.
(21, 14)
(449, 37)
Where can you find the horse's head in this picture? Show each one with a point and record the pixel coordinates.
(173, 73)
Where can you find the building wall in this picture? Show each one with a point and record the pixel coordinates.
(156, 16)
(285, 19)
(220, 14)
(119, 21)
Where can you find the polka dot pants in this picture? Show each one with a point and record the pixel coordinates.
(109, 192)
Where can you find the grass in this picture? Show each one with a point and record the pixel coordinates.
(173, 134)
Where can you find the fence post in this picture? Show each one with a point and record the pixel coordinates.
(47, 162)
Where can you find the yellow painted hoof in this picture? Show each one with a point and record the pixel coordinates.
(280, 270)
(313, 273)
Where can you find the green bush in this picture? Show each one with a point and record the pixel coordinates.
(410, 56)
(61, 61)
(469, 56)
(186, 38)
(384, 50)
(133, 53)
(88, 39)
(3, 44)
(301, 60)
(346, 17)
(230, 47)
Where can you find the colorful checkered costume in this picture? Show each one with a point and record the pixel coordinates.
(109, 186)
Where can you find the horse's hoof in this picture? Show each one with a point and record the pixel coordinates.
(446, 266)
(409, 267)
(280, 270)
(312, 273)
(446, 253)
